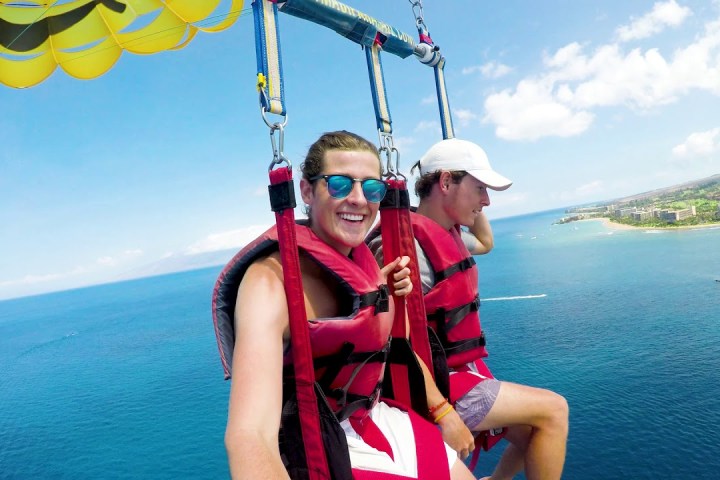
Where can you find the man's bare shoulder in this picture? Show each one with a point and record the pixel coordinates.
(266, 268)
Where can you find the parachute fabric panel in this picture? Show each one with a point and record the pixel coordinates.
(86, 37)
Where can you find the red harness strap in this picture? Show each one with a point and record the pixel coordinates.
(397, 241)
(299, 336)
(391, 249)
(414, 301)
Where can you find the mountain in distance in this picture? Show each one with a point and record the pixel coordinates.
(180, 263)
(687, 204)
(667, 191)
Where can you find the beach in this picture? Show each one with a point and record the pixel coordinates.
(621, 226)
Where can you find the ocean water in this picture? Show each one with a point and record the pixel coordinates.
(123, 381)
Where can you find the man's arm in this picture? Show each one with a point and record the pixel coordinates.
(251, 437)
(482, 232)
(454, 431)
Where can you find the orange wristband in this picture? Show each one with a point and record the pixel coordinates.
(437, 407)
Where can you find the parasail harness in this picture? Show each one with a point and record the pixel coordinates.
(307, 419)
(403, 377)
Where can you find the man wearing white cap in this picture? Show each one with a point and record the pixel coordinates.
(455, 176)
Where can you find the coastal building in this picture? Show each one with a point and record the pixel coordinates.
(625, 212)
(641, 215)
(675, 215)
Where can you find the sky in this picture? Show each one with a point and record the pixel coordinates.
(163, 160)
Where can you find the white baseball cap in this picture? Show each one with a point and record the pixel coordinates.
(460, 155)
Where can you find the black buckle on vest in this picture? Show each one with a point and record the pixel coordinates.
(380, 298)
(383, 302)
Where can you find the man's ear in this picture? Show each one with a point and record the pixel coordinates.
(444, 181)
(306, 191)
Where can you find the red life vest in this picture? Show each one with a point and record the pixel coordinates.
(349, 357)
(452, 304)
(349, 352)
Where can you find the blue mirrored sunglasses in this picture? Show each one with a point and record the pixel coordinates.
(340, 186)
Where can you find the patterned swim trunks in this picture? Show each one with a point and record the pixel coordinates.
(476, 404)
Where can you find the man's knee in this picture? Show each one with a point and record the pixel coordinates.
(557, 411)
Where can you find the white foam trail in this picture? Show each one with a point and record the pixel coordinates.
(523, 297)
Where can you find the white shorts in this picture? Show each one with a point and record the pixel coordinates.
(395, 425)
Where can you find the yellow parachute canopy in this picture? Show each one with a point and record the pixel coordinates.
(86, 37)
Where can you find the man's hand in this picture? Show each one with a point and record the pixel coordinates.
(456, 434)
(402, 285)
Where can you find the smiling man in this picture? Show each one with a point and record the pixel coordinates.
(455, 176)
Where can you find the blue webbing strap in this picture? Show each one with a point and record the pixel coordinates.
(443, 102)
(269, 82)
(267, 52)
(377, 88)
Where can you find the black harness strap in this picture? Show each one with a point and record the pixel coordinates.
(461, 266)
(352, 402)
(446, 320)
(452, 348)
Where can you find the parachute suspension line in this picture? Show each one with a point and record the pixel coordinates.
(429, 54)
(47, 9)
(282, 201)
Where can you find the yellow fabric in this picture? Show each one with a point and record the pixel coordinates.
(85, 38)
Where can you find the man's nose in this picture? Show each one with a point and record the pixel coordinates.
(356, 195)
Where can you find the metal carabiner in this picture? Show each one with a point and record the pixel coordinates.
(385, 150)
(417, 9)
(397, 163)
(279, 147)
(264, 100)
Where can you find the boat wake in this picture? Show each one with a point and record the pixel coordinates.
(522, 297)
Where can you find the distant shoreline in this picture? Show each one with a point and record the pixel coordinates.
(607, 223)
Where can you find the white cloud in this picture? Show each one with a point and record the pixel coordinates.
(404, 143)
(106, 261)
(489, 70)
(464, 117)
(532, 112)
(45, 278)
(495, 70)
(426, 125)
(589, 188)
(32, 279)
(699, 144)
(226, 240)
(663, 14)
(429, 100)
(508, 198)
(560, 100)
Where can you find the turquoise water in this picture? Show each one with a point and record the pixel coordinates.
(123, 381)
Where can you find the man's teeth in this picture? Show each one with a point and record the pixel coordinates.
(351, 217)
